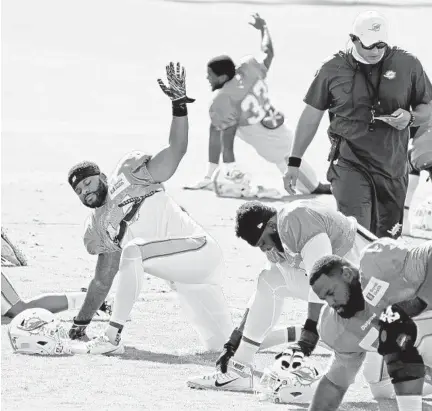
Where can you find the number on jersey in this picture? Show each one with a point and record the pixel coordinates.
(257, 104)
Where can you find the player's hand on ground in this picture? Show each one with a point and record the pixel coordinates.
(399, 123)
(290, 179)
(176, 88)
(222, 362)
(230, 348)
(257, 21)
(78, 331)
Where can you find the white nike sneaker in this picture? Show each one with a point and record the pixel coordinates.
(239, 377)
(102, 345)
(205, 184)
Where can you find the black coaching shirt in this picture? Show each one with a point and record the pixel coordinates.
(349, 90)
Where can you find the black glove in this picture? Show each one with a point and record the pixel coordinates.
(307, 341)
(397, 331)
(230, 348)
(177, 89)
(78, 330)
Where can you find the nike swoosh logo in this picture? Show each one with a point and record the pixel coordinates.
(221, 384)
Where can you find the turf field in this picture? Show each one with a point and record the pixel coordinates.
(79, 82)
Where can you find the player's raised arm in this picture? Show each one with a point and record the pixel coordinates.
(163, 165)
(266, 44)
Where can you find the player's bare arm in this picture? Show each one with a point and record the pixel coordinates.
(164, 164)
(106, 268)
(328, 396)
(215, 144)
(266, 44)
(227, 138)
(306, 129)
(334, 384)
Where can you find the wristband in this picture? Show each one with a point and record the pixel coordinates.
(310, 325)
(294, 161)
(412, 119)
(179, 109)
(81, 323)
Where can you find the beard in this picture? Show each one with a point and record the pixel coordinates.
(277, 241)
(355, 302)
(100, 195)
(217, 86)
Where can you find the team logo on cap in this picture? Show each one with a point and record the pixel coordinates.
(375, 27)
(260, 225)
(73, 179)
(390, 74)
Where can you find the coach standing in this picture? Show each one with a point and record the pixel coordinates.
(368, 159)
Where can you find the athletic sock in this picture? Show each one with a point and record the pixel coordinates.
(130, 280)
(409, 402)
(246, 351)
(281, 336)
(228, 167)
(113, 332)
(211, 168)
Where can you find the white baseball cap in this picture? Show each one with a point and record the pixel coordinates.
(370, 27)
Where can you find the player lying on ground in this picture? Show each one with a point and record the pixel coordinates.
(419, 159)
(38, 331)
(383, 306)
(293, 239)
(136, 228)
(12, 304)
(241, 108)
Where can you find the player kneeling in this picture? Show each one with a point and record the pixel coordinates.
(37, 331)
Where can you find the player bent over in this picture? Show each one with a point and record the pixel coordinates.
(384, 306)
(293, 239)
(242, 108)
(136, 228)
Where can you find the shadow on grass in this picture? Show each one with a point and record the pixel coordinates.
(346, 3)
(284, 199)
(206, 358)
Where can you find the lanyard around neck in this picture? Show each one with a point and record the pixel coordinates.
(374, 95)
